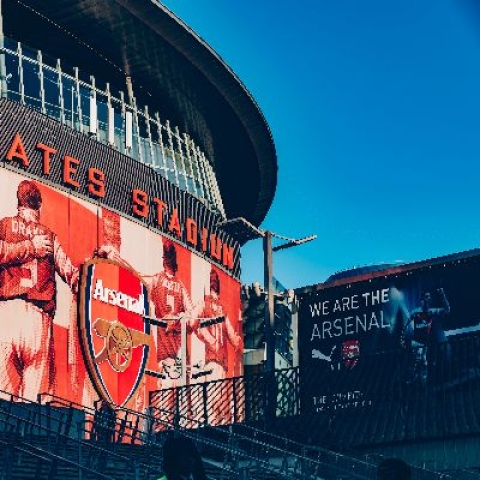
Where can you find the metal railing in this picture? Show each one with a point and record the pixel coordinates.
(235, 451)
(23, 422)
(231, 400)
(116, 121)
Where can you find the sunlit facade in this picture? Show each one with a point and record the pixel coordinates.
(126, 143)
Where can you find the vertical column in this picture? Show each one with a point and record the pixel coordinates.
(150, 141)
(206, 170)
(41, 80)
(217, 199)
(137, 126)
(3, 67)
(93, 107)
(162, 145)
(127, 125)
(20, 73)
(186, 140)
(269, 377)
(61, 99)
(202, 170)
(198, 168)
(79, 102)
(182, 158)
(110, 118)
(172, 151)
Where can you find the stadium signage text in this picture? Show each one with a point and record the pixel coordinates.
(119, 299)
(94, 181)
(350, 324)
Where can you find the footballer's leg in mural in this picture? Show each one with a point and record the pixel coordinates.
(28, 296)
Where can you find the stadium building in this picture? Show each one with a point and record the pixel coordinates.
(125, 142)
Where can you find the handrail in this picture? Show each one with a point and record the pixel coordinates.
(223, 447)
(250, 438)
(49, 454)
(58, 434)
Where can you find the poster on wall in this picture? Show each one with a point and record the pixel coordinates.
(97, 306)
(389, 334)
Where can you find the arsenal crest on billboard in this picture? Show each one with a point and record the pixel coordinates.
(115, 337)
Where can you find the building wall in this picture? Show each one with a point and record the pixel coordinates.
(92, 213)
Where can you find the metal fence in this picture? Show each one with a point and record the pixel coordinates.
(232, 400)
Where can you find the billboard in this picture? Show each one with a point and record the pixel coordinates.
(96, 305)
(401, 332)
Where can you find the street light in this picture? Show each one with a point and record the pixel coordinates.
(245, 231)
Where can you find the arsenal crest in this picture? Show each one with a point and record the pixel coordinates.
(115, 337)
(350, 353)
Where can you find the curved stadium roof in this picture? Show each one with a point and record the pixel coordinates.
(173, 71)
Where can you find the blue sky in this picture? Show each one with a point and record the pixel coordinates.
(374, 108)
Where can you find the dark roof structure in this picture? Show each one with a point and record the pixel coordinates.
(173, 71)
(359, 274)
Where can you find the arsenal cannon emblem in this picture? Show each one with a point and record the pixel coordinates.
(115, 335)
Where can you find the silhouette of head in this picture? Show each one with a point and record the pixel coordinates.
(28, 195)
(426, 300)
(169, 256)
(214, 282)
(181, 459)
(394, 469)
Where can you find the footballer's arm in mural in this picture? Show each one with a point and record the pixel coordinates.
(28, 296)
(111, 239)
(216, 331)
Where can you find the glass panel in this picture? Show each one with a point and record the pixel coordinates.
(85, 106)
(13, 77)
(50, 84)
(191, 173)
(102, 118)
(70, 101)
(119, 130)
(10, 44)
(145, 148)
(31, 83)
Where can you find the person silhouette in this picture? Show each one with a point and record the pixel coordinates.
(182, 460)
(394, 469)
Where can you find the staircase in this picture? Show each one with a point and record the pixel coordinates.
(52, 439)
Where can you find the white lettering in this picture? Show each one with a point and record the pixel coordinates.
(118, 299)
(337, 306)
(315, 332)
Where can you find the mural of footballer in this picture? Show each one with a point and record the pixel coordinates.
(172, 303)
(424, 329)
(32, 255)
(216, 331)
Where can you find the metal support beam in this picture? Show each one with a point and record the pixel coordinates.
(269, 311)
(3, 68)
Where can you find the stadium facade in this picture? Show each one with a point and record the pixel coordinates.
(125, 142)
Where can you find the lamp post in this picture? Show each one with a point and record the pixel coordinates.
(268, 250)
(241, 227)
